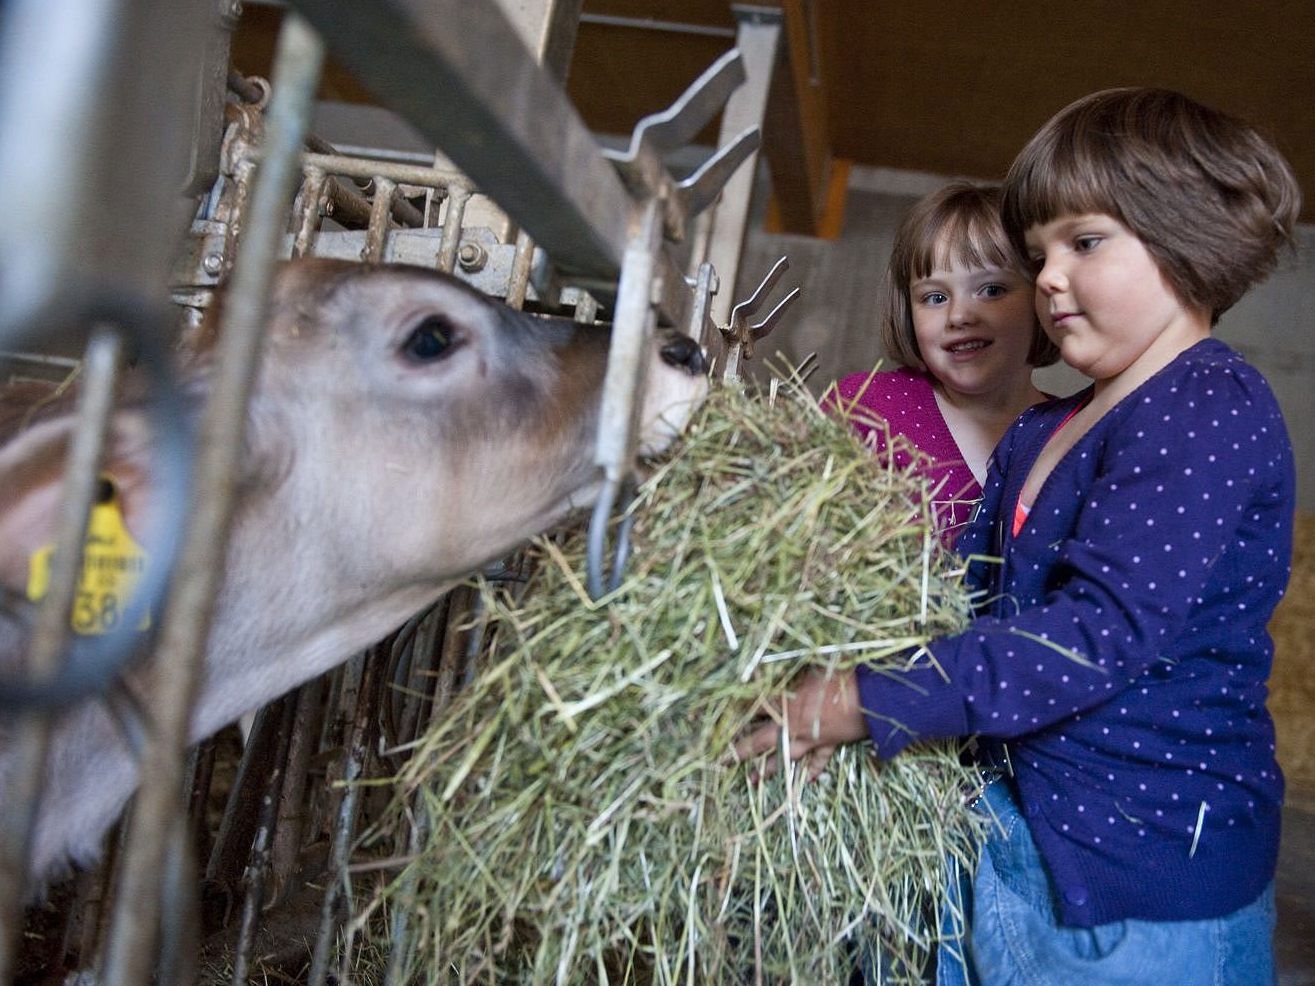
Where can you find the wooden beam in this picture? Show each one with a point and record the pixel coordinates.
(795, 137)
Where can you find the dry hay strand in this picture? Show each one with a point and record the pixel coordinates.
(579, 818)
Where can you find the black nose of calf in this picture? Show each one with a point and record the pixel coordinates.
(680, 350)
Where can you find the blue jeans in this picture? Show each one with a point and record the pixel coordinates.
(1016, 938)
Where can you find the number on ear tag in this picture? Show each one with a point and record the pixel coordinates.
(112, 565)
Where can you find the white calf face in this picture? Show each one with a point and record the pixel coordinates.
(436, 428)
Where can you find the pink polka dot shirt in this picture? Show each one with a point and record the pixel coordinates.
(901, 402)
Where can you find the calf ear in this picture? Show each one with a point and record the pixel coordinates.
(31, 479)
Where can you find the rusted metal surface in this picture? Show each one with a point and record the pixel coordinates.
(51, 633)
(187, 620)
(377, 234)
(308, 208)
(457, 197)
(356, 757)
(258, 865)
(499, 113)
(290, 827)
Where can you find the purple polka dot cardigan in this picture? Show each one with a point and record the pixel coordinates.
(1121, 651)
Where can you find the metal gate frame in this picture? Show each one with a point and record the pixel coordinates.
(609, 223)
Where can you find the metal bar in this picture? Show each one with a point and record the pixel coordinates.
(243, 179)
(91, 176)
(352, 209)
(291, 822)
(358, 751)
(18, 806)
(241, 804)
(420, 158)
(403, 174)
(400, 926)
(308, 222)
(457, 198)
(187, 618)
(632, 328)
(338, 728)
(653, 24)
(758, 38)
(519, 282)
(377, 234)
(258, 861)
(548, 28)
(502, 118)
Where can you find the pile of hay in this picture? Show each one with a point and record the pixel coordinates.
(580, 819)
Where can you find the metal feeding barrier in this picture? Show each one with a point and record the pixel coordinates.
(92, 251)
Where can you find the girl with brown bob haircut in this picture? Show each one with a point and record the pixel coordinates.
(1211, 199)
(1131, 544)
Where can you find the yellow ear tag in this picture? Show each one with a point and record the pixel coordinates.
(112, 565)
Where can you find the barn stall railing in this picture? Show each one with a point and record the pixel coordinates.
(522, 143)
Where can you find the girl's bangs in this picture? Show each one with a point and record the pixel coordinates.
(973, 239)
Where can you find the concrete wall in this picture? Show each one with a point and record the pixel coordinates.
(835, 317)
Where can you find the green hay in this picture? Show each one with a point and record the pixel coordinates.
(579, 817)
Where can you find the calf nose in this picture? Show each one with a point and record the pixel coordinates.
(680, 350)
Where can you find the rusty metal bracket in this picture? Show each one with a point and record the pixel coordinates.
(741, 334)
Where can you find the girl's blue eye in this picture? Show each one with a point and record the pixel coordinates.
(934, 298)
(994, 290)
(1085, 243)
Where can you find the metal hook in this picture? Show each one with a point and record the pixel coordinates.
(598, 537)
(676, 126)
(701, 189)
(641, 166)
(740, 334)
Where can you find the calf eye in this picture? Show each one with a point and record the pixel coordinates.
(431, 340)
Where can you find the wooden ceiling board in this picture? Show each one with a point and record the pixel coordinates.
(957, 87)
(953, 87)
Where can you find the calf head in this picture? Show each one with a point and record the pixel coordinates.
(403, 430)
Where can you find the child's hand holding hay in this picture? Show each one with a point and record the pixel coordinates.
(820, 712)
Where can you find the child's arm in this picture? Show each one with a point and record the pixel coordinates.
(823, 709)
(1186, 475)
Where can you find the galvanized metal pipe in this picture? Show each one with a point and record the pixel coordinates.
(377, 233)
(457, 197)
(20, 799)
(758, 37)
(310, 210)
(358, 751)
(518, 283)
(187, 619)
(403, 174)
(257, 870)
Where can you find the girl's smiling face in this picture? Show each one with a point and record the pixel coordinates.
(1102, 299)
(974, 327)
